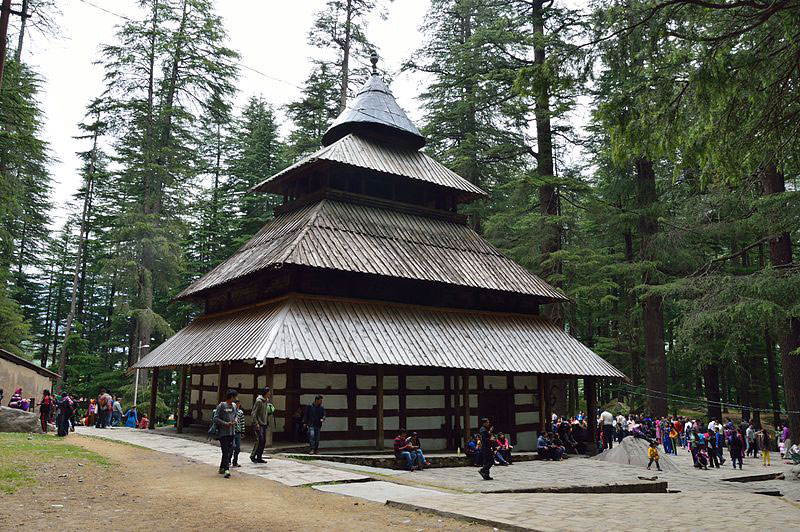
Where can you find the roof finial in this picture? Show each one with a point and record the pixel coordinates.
(373, 58)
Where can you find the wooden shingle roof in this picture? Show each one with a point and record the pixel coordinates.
(352, 237)
(362, 152)
(321, 329)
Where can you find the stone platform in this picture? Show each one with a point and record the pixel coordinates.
(388, 461)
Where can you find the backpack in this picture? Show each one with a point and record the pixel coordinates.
(213, 430)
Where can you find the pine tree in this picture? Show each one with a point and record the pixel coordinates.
(313, 113)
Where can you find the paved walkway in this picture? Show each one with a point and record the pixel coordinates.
(289, 472)
(635, 512)
(459, 492)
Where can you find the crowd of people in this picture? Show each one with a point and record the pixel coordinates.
(66, 411)
(706, 442)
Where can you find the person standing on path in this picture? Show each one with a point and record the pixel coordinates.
(260, 415)
(765, 442)
(608, 429)
(116, 412)
(65, 406)
(736, 447)
(315, 416)
(238, 431)
(225, 419)
(486, 448)
(45, 407)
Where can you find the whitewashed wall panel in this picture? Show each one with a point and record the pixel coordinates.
(326, 381)
(425, 401)
(419, 382)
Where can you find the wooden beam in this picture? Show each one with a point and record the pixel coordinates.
(269, 366)
(590, 390)
(541, 401)
(379, 408)
(200, 398)
(153, 396)
(181, 400)
(351, 398)
(220, 390)
(548, 408)
(448, 412)
(465, 406)
(401, 393)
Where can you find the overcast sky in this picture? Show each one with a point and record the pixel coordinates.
(270, 35)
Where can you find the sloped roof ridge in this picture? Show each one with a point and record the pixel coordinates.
(491, 249)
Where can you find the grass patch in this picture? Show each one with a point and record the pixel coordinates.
(19, 450)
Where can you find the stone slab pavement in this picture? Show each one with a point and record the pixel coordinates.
(379, 491)
(636, 512)
(288, 472)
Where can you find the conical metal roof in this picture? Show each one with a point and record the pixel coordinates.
(375, 113)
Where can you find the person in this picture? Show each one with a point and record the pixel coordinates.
(546, 449)
(652, 454)
(404, 450)
(145, 422)
(765, 443)
(314, 417)
(785, 436)
(91, 413)
(225, 420)
(238, 432)
(16, 400)
(45, 408)
(260, 417)
(116, 412)
(711, 445)
(504, 447)
(487, 449)
(131, 418)
(64, 413)
(750, 434)
(607, 420)
(720, 439)
(104, 406)
(736, 447)
(414, 441)
(473, 450)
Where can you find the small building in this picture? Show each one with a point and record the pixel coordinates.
(16, 372)
(369, 288)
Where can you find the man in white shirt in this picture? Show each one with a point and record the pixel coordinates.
(607, 419)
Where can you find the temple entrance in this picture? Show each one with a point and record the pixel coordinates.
(499, 408)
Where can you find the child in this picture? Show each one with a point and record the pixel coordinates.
(765, 444)
(652, 454)
(144, 423)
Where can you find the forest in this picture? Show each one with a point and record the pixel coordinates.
(641, 155)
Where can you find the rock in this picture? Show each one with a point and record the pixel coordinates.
(633, 451)
(15, 420)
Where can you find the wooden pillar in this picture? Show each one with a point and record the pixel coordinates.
(292, 395)
(200, 398)
(512, 409)
(269, 366)
(401, 397)
(540, 384)
(181, 401)
(457, 432)
(465, 406)
(448, 413)
(590, 390)
(379, 437)
(351, 397)
(153, 395)
(220, 389)
(548, 407)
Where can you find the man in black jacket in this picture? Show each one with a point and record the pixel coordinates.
(315, 415)
(487, 448)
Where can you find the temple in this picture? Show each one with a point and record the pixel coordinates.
(369, 287)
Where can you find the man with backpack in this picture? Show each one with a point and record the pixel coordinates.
(104, 406)
(260, 415)
(224, 420)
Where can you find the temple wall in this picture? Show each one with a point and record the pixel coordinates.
(425, 400)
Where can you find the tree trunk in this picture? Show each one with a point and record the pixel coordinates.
(348, 29)
(84, 233)
(711, 377)
(772, 371)
(652, 305)
(21, 37)
(549, 206)
(756, 386)
(781, 255)
(744, 392)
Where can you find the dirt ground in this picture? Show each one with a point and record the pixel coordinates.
(148, 490)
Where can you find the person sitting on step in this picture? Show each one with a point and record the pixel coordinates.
(404, 451)
(414, 441)
(504, 447)
(473, 451)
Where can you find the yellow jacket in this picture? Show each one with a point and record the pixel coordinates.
(652, 452)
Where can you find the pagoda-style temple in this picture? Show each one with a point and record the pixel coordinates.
(369, 287)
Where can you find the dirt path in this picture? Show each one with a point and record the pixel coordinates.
(147, 490)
